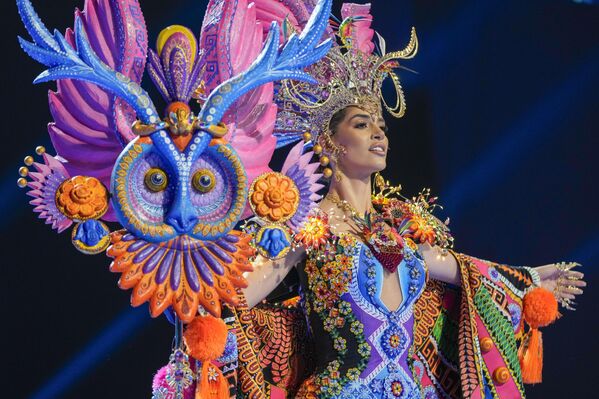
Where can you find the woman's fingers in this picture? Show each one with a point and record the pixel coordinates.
(563, 295)
(577, 283)
(571, 290)
(574, 275)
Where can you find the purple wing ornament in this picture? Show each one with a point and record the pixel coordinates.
(177, 184)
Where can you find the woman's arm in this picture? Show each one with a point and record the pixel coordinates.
(565, 284)
(268, 274)
(441, 264)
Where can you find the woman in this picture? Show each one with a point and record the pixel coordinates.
(392, 310)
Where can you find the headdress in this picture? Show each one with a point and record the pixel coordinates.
(352, 73)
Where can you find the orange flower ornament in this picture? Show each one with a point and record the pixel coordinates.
(274, 197)
(82, 198)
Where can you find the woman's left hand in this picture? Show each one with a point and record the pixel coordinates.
(564, 282)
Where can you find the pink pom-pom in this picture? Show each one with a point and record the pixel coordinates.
(160, 378)
(159, 382)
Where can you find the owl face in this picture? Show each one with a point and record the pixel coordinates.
(160, 191)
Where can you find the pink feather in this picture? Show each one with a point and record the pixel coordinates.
(362, 34)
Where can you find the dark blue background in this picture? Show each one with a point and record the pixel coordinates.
(501, 124)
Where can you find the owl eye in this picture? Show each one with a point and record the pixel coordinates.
(155, 180)
(203, 180)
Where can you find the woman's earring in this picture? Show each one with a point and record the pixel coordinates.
(329, 153)
(337, 171)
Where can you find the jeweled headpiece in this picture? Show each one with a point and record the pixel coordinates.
(352, 73)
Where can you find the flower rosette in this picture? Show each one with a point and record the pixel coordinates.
(274, 199)
(419, 230)
(82, 198)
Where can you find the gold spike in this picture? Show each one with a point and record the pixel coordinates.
(23, 171)
(408, 52)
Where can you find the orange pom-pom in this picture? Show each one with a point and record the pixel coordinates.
(539, 310)
(539, 307)
(206, 337)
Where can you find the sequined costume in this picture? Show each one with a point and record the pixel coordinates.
(442, 341)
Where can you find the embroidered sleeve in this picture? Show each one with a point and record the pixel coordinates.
(518, 280)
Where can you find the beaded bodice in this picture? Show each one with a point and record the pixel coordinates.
(363, 347)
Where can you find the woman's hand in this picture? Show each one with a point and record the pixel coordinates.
(564, 282)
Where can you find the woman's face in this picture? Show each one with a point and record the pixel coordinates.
(365, 141)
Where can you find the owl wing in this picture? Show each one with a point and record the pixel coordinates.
(233, 34)
(232, 38)
(91, 125)
(295, 14)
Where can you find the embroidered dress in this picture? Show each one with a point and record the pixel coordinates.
(442, 341)
(378, 366)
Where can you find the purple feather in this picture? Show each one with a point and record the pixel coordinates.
(176, 72)
(151, 264)
(176, 271)
(190, 273)
(90, 126)
(298, 168)
(43, 185)
(202, 268)
(165, 267)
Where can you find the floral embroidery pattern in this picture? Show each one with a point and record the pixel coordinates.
(329, 274)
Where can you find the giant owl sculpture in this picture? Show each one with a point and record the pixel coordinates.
(177, 184)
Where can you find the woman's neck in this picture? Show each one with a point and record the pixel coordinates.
(356, 192)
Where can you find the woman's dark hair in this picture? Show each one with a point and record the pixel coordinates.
(336, 119)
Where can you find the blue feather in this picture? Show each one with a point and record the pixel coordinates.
(47, 57)
(82, 63)
(35, 26)
(286, 139)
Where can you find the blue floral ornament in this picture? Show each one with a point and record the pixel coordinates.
(273, 242)
(91, 237)
(394, 341)
(515, 315)
(394, 386)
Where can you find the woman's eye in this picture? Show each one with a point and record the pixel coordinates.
(203, 180)
(384, 128)
(156, 180)
(362, 125)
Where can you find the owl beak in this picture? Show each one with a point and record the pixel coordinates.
(182, 218)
